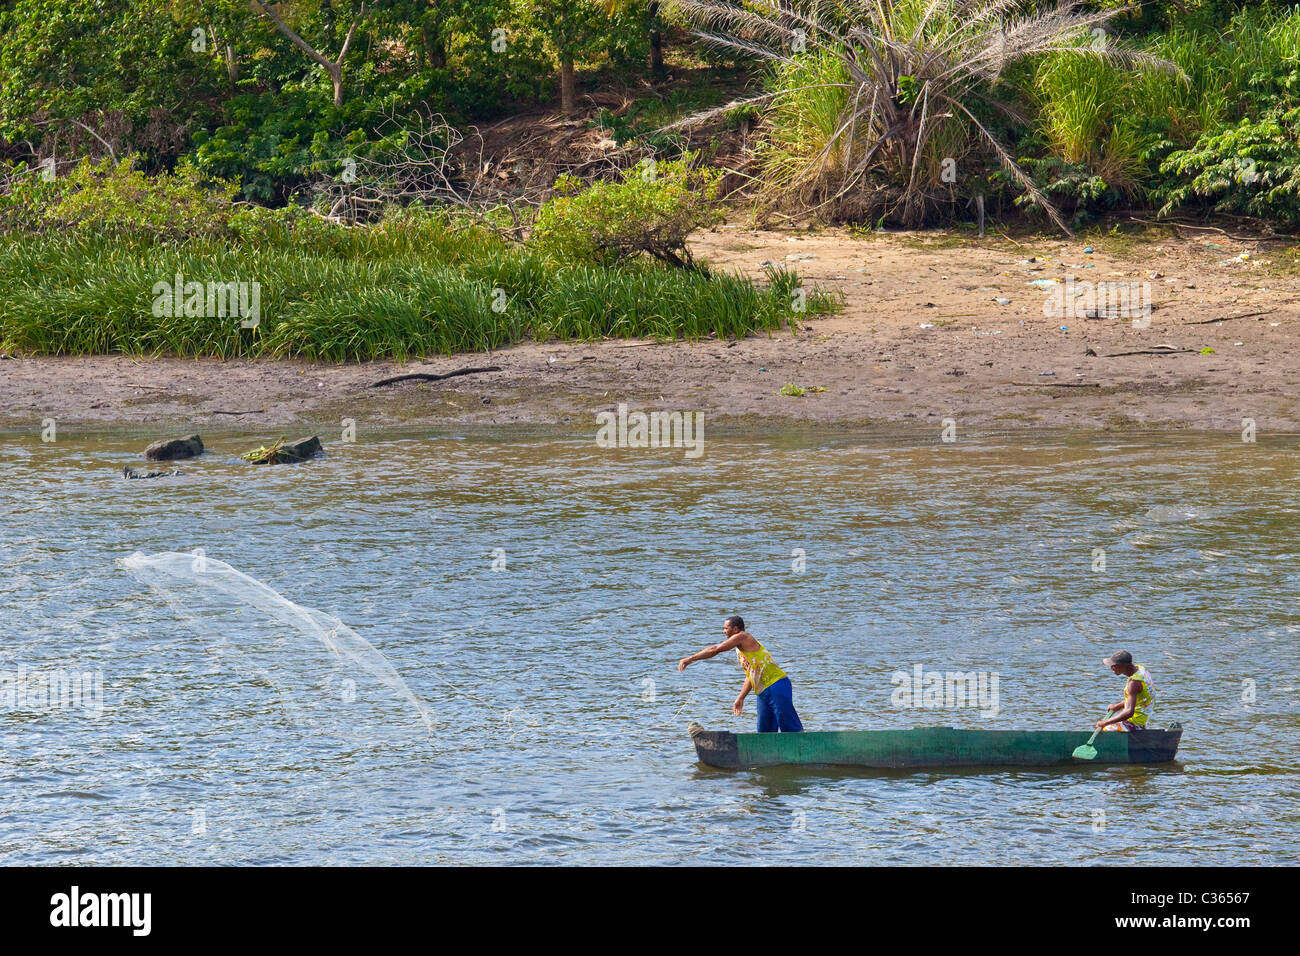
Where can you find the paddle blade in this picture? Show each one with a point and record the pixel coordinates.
(1085, 752)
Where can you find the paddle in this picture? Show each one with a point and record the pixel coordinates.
(1088, 751)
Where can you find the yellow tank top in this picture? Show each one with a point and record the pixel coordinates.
(760, 668)
(1146, 701)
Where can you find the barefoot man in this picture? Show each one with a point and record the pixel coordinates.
(1135, 709)
(776, 711)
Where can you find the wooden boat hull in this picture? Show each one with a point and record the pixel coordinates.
(931, 747)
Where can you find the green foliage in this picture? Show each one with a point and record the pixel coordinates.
(650, 210)
(1073, 186)
(218, 80)
(1252, 169)
(258, 227)
(123, 68)
(25, 195)
(213, 90)
(1176, 138)
(901, 95)
(118, 199)
(274, 141)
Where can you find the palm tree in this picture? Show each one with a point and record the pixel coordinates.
(914, 77)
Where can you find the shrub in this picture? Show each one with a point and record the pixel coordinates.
(651, 209)
(1112, 135)
(25, 194)
(1084, 118)
(258, 227)
(117, 199)
(1252, 169)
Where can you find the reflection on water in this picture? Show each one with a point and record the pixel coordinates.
(560, 717)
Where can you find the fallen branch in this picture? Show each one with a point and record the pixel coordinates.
(423, 377)
(1058, 384)
(1098, 315)
(1151, 352)
(222, 411)
(1176, 225)
(1227, 318)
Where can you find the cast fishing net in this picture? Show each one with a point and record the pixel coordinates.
(329, 678)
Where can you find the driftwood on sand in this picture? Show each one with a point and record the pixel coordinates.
(424, 377)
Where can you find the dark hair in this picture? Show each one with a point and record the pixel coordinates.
(737, 620)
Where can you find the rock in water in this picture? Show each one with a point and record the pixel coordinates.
(285, 451)
(170, 448)
(299, 450)
(129, 472)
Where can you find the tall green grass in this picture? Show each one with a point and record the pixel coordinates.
(1120, 123)
(798, 157)
(413, 285)
(1086, 119)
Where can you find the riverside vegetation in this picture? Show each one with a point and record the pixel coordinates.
(417, 281)
(312, 150)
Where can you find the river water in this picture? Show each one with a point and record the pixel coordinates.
(536, 591)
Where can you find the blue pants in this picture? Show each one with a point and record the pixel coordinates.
(776, 710)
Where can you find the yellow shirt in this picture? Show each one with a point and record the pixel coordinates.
(760, 668)
(1146, 701)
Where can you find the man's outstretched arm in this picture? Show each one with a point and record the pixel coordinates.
(714, 651)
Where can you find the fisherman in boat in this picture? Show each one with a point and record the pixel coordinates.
(775, 702)
(1135, 709)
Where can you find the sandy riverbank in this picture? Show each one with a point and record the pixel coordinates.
(922, 336)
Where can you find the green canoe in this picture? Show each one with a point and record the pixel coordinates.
(931, 747)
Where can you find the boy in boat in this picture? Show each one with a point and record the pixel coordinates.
(776, 711)
(1139, 700)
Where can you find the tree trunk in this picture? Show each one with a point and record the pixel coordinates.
(656, 42)
(232, 65)
(336, 75)
(568, 88)
(333, 67)
(436, 48)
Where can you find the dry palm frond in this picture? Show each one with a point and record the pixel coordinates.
(910, 75)
(266, 454)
